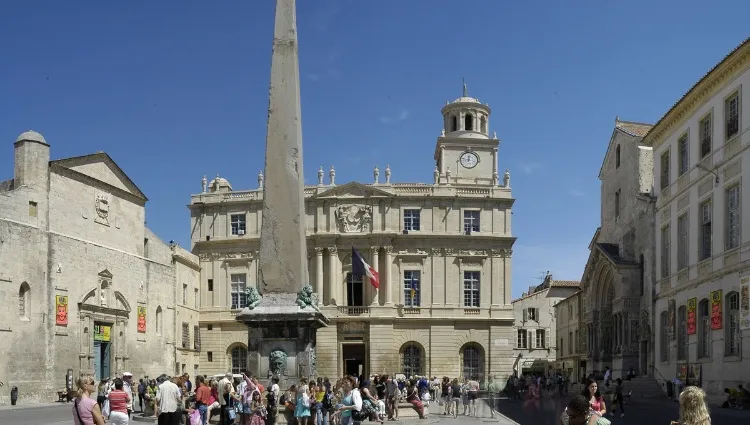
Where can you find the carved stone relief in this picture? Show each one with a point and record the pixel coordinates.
(277, 362)
(102, 209)
(353, 218)
(353, 328)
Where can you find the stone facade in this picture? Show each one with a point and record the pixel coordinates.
(618, 278)
(700, 151)
(570, 337)
(77, 264)
(452, 238)
(536, 337)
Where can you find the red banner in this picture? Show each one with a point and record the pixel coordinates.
(142, 319)
(691, 319)
(716, 310)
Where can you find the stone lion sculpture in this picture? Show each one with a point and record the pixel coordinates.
(277, 362)
(305, 297)
(253, 297)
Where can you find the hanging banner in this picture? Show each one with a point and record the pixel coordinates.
(61, 308)
(716, 310)
(745, 302)
(102, 333)
(142, 319)
(671, 315)
(692, 304)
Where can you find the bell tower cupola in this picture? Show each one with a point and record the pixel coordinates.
(465, 153)
(466, 117)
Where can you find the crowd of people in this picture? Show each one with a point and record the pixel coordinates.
(241, 399)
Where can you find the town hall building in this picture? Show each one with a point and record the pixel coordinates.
(443, 250)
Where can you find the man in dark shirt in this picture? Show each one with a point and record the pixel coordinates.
(188, 384)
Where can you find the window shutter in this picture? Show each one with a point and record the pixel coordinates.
(525, 314)
(546, 339)
(532, 340)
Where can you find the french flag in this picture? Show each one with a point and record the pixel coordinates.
(361, 268)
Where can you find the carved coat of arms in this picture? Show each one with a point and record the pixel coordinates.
(102, 210)
(353, 218)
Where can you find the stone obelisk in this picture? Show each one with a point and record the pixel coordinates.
(282, 315)
(283, 247)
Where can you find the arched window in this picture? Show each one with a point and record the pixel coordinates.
(454, 123)
(704, 329)
(483, 124)
(472, 361)
(732, 327)
(469, 122)
(663, 343)
(682, 346)
(411, 360)
(24, 303)
(617, 156)
(159, 316)
(239, 359)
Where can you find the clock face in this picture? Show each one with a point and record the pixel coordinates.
(469, 159)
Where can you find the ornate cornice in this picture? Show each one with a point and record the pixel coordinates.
(716, 78)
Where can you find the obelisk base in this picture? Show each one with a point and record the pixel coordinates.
(281, 338)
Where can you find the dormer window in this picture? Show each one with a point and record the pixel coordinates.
(454, 123)
(469, 122)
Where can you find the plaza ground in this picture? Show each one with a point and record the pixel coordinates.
(512, 413)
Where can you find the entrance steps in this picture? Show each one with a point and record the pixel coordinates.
(643, 389)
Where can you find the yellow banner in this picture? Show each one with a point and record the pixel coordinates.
(102, 333)
(61, 309)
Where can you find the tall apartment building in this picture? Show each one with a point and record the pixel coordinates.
(703, 245)
(535, 325)
(443, 250)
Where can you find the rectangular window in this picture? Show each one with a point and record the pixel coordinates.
(210, 356)
(704, 324)
(733, 336)
(663, 343)
(411, 219)
(185, 335)
(706, 230)
(577, 341)
(617, 203)
(682, 346)
(682, 242)
(540, 342)
(196, 338)
(683, 150)
(471, 221)
(532, 314)
(666, 235)
(238, 224)
(732, 196)
(732, 115)
(706, 129)
(411, 288)
(471, 289)
(522, 343)
(570, 343)
(210, 284)
(210, 327)
(184, 294)
(239, 299)
(664, 176)
(32, 209)
(196, 299)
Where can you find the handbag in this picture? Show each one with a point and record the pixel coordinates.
(232, 414)
(105, 408)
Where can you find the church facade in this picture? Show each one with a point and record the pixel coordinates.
(92, 289)
(443, 251)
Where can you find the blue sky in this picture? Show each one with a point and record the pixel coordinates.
(175, 90)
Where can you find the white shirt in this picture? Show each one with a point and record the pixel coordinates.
(168, 396)
(275, 390)
(222, 390)
(357, 400)
(128, 388)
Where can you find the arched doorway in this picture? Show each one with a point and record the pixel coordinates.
(472, 361)
(412, 359)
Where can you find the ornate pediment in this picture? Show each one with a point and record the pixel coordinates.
(106, 274)
(353, 218)
(353, 190)
(101, 168)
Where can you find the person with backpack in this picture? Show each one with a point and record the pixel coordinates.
(351, 404)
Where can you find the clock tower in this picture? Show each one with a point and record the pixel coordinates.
(465, 153)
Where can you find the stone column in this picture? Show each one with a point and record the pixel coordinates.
(388, 281)
(319, 273)
(333, 287)
(376, 265)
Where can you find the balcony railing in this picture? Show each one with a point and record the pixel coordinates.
(354, 310)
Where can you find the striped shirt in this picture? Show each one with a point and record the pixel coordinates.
(118, 401)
